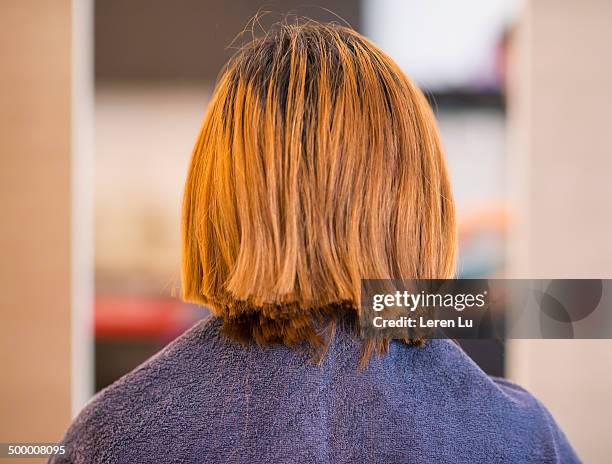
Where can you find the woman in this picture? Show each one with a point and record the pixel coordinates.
(318, 164)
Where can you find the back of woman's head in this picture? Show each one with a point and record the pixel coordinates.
(318, 164)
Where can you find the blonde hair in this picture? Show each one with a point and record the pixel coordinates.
(318, 164)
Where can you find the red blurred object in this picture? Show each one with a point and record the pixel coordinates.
(123, 317)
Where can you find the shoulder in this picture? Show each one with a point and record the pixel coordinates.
(545, 430)
(127, 410)
(503, 416)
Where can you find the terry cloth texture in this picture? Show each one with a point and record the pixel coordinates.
(207, 399)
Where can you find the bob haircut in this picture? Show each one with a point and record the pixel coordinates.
(318, 164)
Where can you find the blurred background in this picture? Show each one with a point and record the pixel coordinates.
(155, 68)
(104, 102)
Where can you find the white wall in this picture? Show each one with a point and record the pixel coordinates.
(440, 44)
(144, 135)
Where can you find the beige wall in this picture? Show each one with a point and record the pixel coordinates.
(560, 164)
(139, 182)
(35, 219)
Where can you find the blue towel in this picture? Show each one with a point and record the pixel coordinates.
(208, 399)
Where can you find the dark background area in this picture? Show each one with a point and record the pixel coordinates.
(187, 40)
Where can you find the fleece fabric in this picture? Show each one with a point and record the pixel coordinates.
(208, 399)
